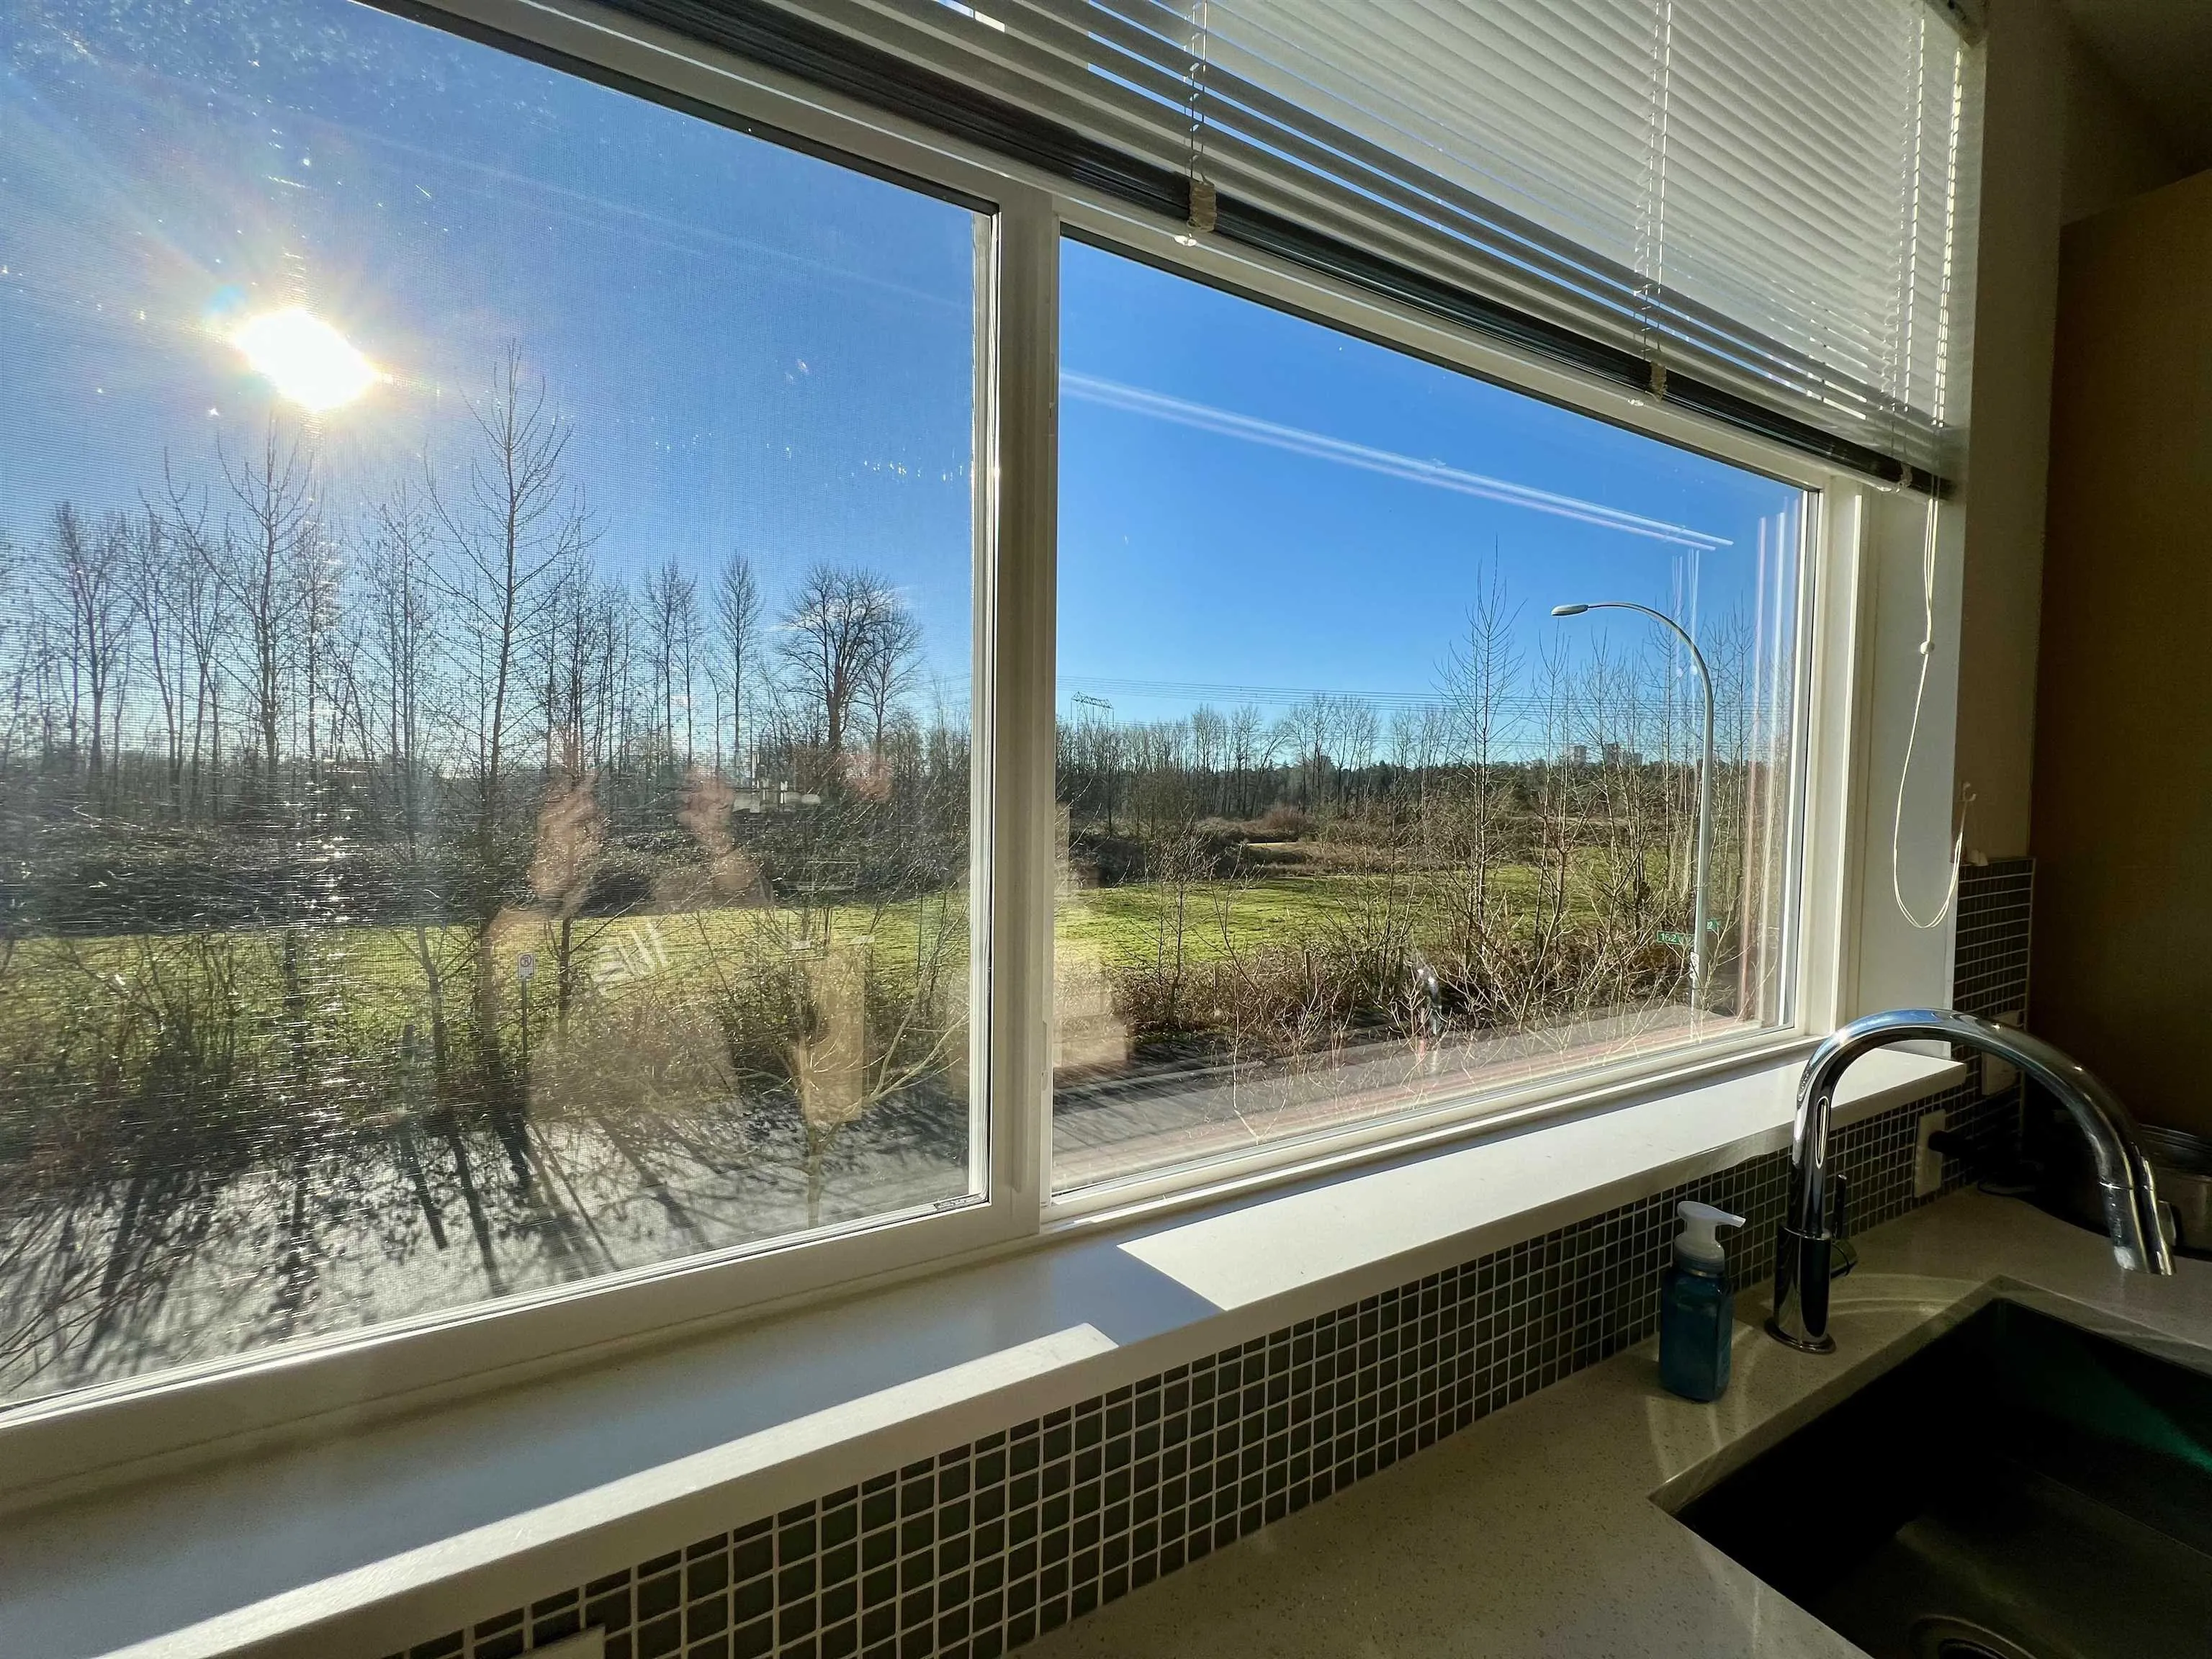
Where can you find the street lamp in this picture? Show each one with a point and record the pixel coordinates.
(1699, 945)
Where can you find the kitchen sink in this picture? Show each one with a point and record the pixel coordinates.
(2019, 1488)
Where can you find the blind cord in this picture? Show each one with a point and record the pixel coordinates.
(1202, 200)
(1911, 741)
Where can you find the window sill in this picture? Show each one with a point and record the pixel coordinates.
(364, 1540)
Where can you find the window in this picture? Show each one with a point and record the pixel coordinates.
(622, 705)
(1351, 823)
(484, 768)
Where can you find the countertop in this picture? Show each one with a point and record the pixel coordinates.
(1535, 1532)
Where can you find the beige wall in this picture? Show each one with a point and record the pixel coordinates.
(2112, 153)
(2123, 826)
(2059, 138)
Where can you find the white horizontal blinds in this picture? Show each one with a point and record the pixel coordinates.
(1132, 74)
(1763, 196)
(1774, 181)
(1447, 86)
(1795, 144)
(1937, 273)
(1045, 60)
(1415, 138)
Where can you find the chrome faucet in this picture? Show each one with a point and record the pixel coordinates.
(1804, 1262)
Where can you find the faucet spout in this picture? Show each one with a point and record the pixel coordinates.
(1804, 1260)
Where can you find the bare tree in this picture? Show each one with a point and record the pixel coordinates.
(92, 579)
(1251, 751)
(512, 526)
(316, 575)
(610, 650)
(738, 618)
(575, 641)
(20, 709)
(893, 664)
(1477, 677)
(399, 586)
(672, 608)
(158, 578)
(1209, 738)
(1306, 731)
(1417, 747)
(202, 615)
(255, 559)
(833, 630)
(1358, 728)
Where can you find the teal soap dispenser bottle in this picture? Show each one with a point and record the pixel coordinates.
(1697, 1306)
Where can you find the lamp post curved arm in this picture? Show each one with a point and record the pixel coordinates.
(1700, 947)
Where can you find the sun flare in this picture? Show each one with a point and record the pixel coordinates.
(305, 358)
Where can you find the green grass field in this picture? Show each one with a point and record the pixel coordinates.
(1131, 923)
(370, 978)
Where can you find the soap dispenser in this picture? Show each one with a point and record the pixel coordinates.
(1697, 1306)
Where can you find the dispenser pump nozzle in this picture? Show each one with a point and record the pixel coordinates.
(1699, 1240)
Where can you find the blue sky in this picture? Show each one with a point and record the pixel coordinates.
(760, 350)
(757, 350)
(1281, 505)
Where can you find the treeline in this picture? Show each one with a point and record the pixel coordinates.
(1616, 735)
(416, 680)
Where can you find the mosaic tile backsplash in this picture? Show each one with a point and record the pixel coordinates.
(1989, 974)
(974, 1552)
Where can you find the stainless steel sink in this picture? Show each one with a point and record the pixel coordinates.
(2019, 1488)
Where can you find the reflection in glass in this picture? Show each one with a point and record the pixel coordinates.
(1350, 824)
(484, 652)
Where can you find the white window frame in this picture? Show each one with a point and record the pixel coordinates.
(82, 1438)
(1830, 522)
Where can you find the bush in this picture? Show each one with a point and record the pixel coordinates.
(621, 882)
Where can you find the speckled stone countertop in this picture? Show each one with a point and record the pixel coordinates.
(1536, 1531)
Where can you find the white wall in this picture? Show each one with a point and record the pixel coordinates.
(1902, 963)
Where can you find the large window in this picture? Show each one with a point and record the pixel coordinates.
(484, 683)
(1350, 822)
(531, 766)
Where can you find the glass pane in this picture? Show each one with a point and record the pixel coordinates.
(484, 789)
(1350, 824)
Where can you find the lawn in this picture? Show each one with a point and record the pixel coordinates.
(370, 979)
(1131, 923)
